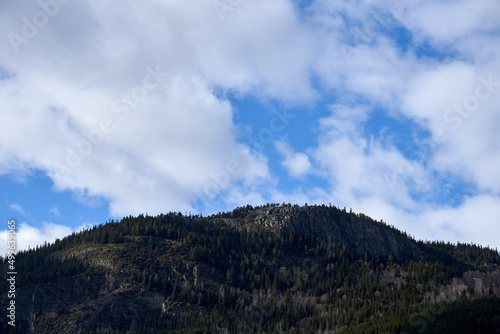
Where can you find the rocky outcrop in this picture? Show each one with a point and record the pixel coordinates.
(471, 284)
(358, 232)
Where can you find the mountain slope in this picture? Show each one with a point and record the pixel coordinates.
(275, 268)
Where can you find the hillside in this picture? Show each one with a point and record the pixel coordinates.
(273, 269)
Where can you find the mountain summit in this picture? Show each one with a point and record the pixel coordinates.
(360, 233)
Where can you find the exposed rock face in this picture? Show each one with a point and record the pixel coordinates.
(359, 233)
(473, 283)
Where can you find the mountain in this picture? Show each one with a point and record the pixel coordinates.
(269, 269)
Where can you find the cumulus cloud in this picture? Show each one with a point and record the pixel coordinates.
(28, 236)
(446, 22)
(129, 113)
(470, 222)
(458, 103)
(358, 168)
(296, 164)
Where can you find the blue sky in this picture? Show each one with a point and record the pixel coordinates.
(115, 109)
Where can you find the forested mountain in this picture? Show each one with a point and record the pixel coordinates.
(270, 269)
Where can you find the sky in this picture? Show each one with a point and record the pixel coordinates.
(117, 108)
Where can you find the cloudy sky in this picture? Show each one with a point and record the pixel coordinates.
(115, 108)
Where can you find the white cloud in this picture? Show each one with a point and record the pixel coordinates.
(470, 222)
(296, 164)
(175, 138)
(459, 104)
(19, 209)
(358, 168)
(29, 236)
(448, 21)
(55, 211)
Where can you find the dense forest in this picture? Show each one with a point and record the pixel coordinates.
(228, 273)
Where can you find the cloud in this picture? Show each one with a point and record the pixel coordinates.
(55, 211)
(446, 22)
(458, 102)
(29, 236)
(99, 130)
(469, 222)
(357, 168)
(19, 209)
(296, 164)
